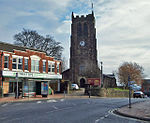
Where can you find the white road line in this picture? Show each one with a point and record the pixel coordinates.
(4, 105)
(39, 102)
(102, 118)
(62, 100)
(59, 109)
(97, 120)
(51, 101)
(106, 115)
(18, 104)
(55, 107)
(111, 112)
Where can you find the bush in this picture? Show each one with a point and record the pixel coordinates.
(109, 92)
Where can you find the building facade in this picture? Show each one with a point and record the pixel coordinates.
(83, 52)
(109, 81)
(146, 87)
(31, 69)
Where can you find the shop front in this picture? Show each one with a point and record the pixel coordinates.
(30, 84)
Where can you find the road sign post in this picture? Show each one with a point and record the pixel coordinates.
(129, 91)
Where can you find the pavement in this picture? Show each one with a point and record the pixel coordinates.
(38, 97)
(140, 110)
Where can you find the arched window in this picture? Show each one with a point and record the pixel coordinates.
(85, 29)
(79, 29)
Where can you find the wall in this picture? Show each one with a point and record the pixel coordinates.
(110, 92)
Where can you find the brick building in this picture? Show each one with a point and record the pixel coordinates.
(31, 68)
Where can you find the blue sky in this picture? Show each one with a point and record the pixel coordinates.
(123, 26)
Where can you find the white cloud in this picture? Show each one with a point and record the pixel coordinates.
(65, 27)
(123, 32)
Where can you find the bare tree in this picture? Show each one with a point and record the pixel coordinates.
(31, 39)
(134, 70)
(64, 64)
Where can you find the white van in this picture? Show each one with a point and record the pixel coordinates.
(74, 86)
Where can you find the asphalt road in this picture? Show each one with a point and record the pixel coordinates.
(65, 111)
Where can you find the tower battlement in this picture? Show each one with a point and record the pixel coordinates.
(82, 17)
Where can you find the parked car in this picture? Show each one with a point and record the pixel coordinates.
(74, 86)
(139, 94)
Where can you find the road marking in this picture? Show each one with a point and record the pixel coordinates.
(55, 107)
(39, 102)
(51, 101)
(74, 104)
(4, 105)
(106, 115)
(62, 100)
(102, 118)
(3, 118)
(97, 120)
(59, 109)
(18, 104)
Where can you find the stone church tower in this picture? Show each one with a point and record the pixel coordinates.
(83, 52)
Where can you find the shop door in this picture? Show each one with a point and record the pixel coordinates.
(38, 88)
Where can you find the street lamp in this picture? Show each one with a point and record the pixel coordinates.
(101, 74)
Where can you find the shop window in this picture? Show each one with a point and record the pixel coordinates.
(44, 66)
(6, 61)
(26, 64)
(35, 65)
(11, 87)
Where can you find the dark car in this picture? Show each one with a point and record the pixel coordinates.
(139, 94)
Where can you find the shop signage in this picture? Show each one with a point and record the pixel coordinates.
(93, 81)
(31, 75)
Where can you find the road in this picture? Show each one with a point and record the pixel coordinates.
(65, 111)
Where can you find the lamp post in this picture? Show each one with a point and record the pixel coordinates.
(17, 85)
(101, 74)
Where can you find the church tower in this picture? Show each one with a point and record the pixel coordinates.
(83, 52)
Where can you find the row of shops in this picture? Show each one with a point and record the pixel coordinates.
(30, 84)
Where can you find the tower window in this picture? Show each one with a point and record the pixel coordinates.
(81, 69)
(79, 29)
(85, 29)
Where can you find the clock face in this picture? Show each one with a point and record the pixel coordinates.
(82, 43)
